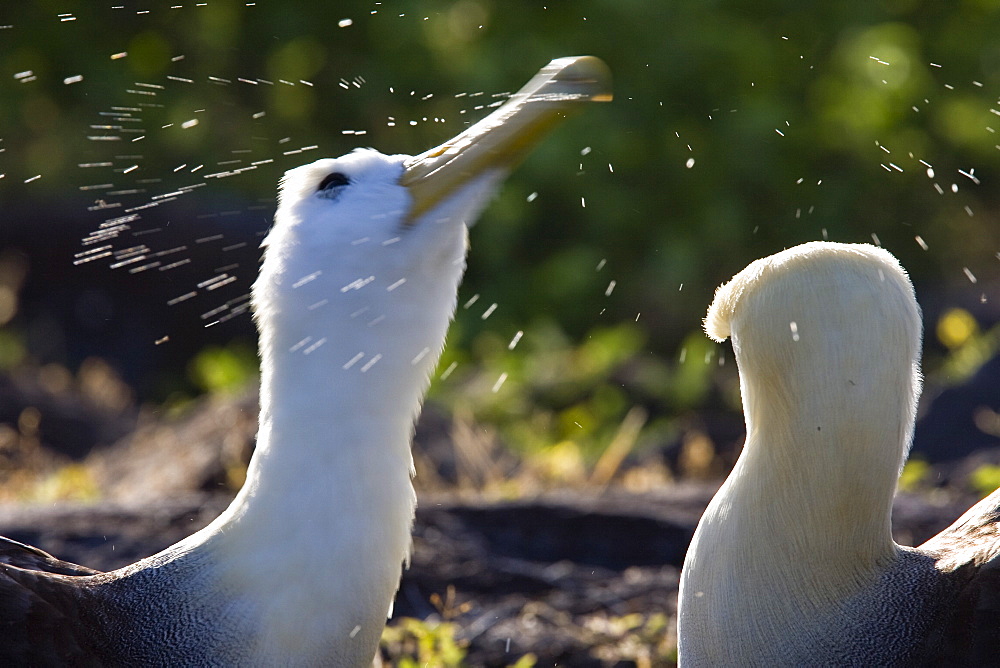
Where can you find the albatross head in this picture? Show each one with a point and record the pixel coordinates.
(827, 337)
(370, 243)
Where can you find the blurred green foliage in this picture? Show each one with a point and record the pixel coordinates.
(968, 347)
(415, 643)
(566, 401)
(915, 473)
(224, 369)
(738, 128)
(12, 350)
(644, 641)
(985, 479)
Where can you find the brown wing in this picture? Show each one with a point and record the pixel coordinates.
(967, 631)
(40, 601)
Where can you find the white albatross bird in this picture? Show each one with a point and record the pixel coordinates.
(355, 293)
(793, 563)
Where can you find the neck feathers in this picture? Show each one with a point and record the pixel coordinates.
(314, 543)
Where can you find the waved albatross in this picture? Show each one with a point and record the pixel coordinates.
(793, 563)
(357, 287)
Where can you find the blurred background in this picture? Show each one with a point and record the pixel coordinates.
(141, 144)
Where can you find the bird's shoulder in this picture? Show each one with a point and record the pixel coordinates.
(967, 629)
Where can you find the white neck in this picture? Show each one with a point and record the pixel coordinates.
(312, 548)
(819, 469)
(802, 524)
(789, 538)
(318, 535)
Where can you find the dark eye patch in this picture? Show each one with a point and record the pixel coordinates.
(333, 181)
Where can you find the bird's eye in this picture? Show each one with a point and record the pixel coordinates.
(332, 184)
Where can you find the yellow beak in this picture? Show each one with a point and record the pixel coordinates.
(504, 138)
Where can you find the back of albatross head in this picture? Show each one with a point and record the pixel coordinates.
(793, 562)
(355, 293)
